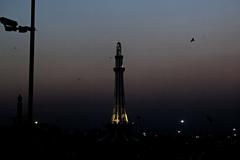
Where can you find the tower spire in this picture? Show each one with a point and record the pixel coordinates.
(119, 115)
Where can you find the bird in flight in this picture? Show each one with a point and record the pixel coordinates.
(192, 40)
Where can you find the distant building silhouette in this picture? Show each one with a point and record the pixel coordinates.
(119, 115)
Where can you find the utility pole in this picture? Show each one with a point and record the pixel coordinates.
(31, 64)
(11, 25)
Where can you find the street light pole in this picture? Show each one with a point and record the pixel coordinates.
(11, 25)
(31, 64)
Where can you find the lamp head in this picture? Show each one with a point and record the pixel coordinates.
(8, 22)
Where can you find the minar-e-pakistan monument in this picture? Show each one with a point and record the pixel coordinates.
(119, 115)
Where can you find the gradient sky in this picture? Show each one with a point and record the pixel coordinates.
(167, 78)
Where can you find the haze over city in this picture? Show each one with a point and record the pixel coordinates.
(167, 77)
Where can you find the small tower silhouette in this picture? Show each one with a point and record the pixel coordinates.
(19, 109)
(119, 115)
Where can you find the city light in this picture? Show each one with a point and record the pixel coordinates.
(182, 121)
(144, 134)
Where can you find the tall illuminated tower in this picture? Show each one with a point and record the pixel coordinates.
(119, 115)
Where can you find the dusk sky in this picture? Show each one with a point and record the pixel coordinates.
(167, 78)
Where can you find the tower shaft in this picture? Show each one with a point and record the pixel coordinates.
(119, 115)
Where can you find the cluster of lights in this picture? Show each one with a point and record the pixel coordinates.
(181, 122)
(116, 119)
(234, 132)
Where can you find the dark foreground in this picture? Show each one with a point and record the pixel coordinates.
(44, 142)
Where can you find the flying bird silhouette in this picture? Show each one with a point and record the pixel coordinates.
(192, 40)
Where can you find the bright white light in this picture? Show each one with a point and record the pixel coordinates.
(178, 132)
(235, 135)
(36, 122)
(197, 137)
(182, 121)
(144, 134)
(234, 129)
